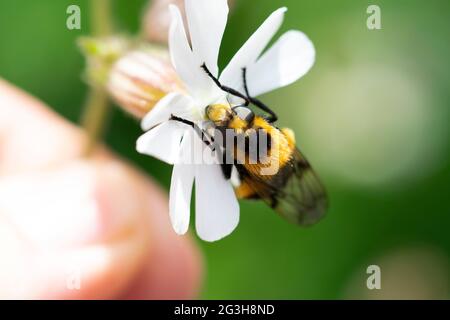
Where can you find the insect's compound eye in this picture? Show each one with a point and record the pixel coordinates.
(244, 113)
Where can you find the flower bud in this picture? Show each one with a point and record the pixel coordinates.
(141, 78)
(156, 22)
(101, 54)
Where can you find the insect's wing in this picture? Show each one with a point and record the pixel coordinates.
(296, 193)
(303, 199)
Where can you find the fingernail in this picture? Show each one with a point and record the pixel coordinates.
(76, 205)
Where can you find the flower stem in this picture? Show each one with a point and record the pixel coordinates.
(94, 116)
(101, 17)
(97, 106)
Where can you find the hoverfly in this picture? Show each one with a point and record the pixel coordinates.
(294, 191)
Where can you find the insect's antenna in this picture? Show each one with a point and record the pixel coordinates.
(225, 88)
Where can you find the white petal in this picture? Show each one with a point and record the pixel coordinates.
(181, 191)
(162, 142)
(235, 178)
(217, 209)
(188, 65)
(173, 103)
(251, 50)
(180, 197)
(290, 58)
(207, 20)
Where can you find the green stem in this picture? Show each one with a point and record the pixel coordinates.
(101, 17)
(94, 117)
(97, 106)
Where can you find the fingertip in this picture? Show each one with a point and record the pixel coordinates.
(32, 136)
(75, 222)
(174, 264)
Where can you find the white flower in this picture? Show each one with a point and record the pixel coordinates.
(217, 209)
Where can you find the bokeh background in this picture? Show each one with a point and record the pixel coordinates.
(372, 116)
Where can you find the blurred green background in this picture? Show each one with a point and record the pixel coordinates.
(372, 115)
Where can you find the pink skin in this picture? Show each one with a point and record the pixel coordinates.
(68, 222)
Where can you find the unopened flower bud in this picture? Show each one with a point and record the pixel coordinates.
(141, 78)
(101, 54)
(156, 22)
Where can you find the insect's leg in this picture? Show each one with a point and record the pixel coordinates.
(226, 168)
(273, 116)
(225, 88)
(256, 102)
(196, 128)
(186, 122)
